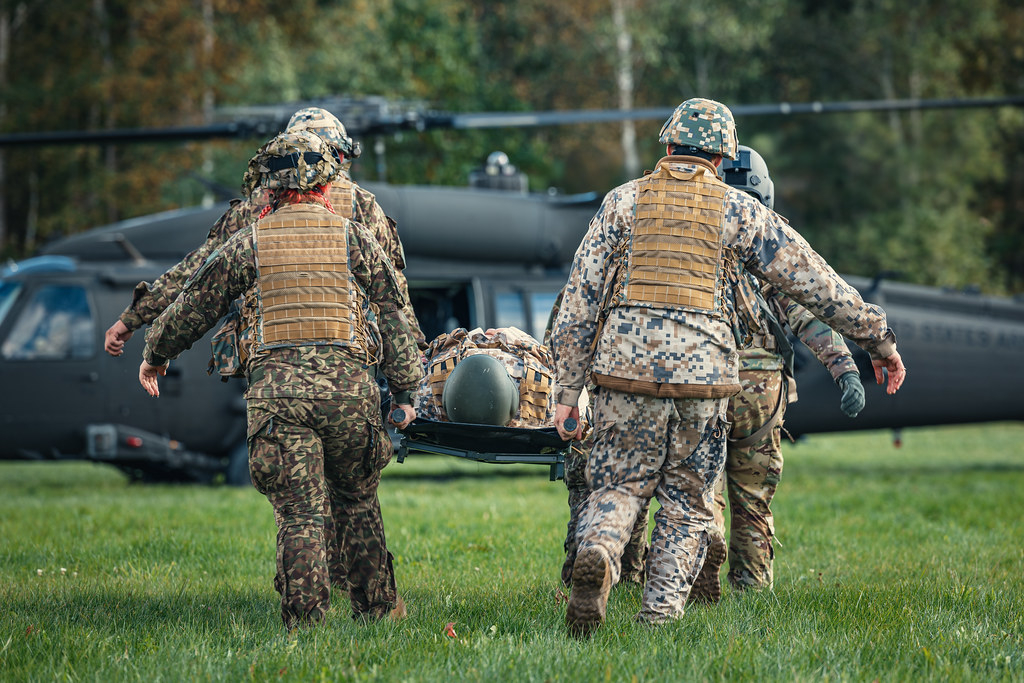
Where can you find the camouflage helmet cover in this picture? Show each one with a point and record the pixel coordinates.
(326, 125)
(749, 172)
(702, 123)
(297, 160)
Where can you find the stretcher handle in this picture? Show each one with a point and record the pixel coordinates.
(397, 416)
(570, 424)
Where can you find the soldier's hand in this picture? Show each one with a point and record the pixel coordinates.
(852, 401)
(407, 410)
(563, 413)
(147, 377)
(115, 338)
(893, 366)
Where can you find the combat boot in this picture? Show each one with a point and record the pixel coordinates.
(588, 600)
(707, 587)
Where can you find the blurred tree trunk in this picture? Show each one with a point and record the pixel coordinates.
(621, 9)
(5, 50)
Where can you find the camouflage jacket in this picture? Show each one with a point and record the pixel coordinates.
(367, 211)
(149, 300)
(827, 345)
(303, 371)
(686, 353)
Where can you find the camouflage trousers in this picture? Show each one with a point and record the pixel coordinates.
(751, 476)
(318, 462)
(634, 556)
(671, 449)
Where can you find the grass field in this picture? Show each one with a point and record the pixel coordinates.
(893, 564)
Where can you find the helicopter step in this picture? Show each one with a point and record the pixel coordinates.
(145, 456)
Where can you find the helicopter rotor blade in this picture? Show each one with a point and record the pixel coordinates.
(378, 116)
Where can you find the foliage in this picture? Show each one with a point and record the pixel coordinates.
(949, 184)
(891, 565)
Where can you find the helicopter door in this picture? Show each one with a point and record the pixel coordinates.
(48, 360)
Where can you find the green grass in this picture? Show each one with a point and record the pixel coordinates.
(894, 564)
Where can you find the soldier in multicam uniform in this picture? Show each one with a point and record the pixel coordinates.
(753, 462)
(643, 317)
(317, 444)
(356, 203)
(348, 199)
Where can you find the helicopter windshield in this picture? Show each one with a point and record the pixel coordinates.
(57, 323)
(8, 294)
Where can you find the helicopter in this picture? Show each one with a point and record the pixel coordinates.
(485, 255)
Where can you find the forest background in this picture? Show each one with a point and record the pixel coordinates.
(935, 196)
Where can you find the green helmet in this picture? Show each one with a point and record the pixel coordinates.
(480, 391)
(326, 125)
(298, 160)
(749, 173)
(704, 124)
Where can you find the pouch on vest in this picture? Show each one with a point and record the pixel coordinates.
(228, 358)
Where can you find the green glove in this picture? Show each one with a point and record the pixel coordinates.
(852, 401)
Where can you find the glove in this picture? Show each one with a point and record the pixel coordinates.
(852, 401)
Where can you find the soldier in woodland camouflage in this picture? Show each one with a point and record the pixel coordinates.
(754, 460)
(317, 444)
(356, 203)
(644, 318)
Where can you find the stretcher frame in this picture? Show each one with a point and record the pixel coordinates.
(501, 445)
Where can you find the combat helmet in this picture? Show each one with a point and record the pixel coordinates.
(480, 391)
(326, 125)
(704, 124)
(749, 172)
(297, 160)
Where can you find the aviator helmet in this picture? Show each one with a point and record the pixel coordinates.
(749, 172)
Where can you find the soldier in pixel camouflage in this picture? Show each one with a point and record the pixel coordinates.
(754, 461)
(645, 319)
(317, 443)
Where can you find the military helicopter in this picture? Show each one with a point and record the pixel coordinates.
(488, 255)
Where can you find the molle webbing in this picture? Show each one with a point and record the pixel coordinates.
(304, 280)
(535, 393)
(343, 197)
(676, 247)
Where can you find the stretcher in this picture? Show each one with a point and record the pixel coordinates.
(485, 443)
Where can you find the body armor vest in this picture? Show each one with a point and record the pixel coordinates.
(305, 291)
(675, 251)
(343, 197)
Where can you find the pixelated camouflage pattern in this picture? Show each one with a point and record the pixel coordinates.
(518, 352)
(304, 176)
(671, 449)
(751, 477)
(702, 123)
(665, 347)
(149, 300)
(318, 462)
(297, 372)
(326, 125)
(634, 555)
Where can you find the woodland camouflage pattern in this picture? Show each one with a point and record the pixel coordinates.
(149, 300)
(320, 403)
(637, 448)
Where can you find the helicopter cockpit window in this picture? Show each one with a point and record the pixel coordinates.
(8, 294)
(509, 310)
(56, 324)
(540, 310)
